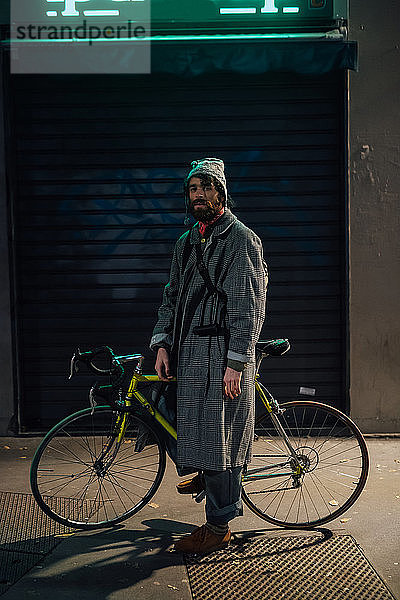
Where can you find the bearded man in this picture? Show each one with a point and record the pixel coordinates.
(209, 321)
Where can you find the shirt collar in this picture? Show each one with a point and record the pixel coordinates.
(223, 223)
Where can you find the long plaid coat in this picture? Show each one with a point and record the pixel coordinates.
(214, 432)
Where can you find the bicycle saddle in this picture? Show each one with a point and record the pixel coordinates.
(273, 347)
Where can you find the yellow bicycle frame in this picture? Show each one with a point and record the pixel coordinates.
(134, 393)
(262, 395)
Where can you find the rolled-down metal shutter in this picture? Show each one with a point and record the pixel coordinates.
(98, 207)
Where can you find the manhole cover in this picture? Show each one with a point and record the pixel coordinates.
(289, 568)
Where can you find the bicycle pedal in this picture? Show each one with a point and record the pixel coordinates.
(200, 496)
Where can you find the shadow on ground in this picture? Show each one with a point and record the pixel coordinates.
(103, 563)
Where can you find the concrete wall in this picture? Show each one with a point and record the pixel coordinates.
(375, 216)
(6, 370)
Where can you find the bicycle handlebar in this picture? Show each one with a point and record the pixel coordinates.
(88, 357)
(115, 369)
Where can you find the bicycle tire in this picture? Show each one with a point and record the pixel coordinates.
(333, 453)
(82, 477)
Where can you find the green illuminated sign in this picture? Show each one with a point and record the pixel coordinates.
(198, 14)
(263, 13)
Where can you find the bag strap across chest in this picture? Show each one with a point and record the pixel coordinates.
(187, 249)
(203, 270)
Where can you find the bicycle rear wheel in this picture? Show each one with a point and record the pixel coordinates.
(84, 477)
(334, 466)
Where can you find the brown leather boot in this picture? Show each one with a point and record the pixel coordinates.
(202, 541)
(191, 486)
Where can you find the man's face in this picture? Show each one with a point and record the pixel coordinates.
(205, 201)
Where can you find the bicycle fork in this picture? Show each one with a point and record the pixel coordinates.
(107, 457)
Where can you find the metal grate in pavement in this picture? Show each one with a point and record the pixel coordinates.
(24, 526)
(14, 565)
(289, 568)
(26, 535)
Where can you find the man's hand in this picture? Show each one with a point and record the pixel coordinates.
(162, 365)
(232, 383)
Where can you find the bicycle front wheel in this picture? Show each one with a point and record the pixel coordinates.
(323, 479)
(86, 474)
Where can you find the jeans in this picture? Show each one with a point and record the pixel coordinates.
(223, 489)
(223, 495)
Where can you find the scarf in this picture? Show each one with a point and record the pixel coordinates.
(203, 226)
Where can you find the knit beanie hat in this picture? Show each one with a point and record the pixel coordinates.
(208, 166)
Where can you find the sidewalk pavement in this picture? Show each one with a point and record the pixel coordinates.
(133, 561)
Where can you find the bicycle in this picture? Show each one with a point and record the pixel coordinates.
(101, 465)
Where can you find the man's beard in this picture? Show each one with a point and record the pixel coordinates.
(205, 213)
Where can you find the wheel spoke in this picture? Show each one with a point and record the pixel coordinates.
(82, 477)
(332, 459)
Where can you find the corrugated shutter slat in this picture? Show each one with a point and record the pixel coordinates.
(99, 206)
